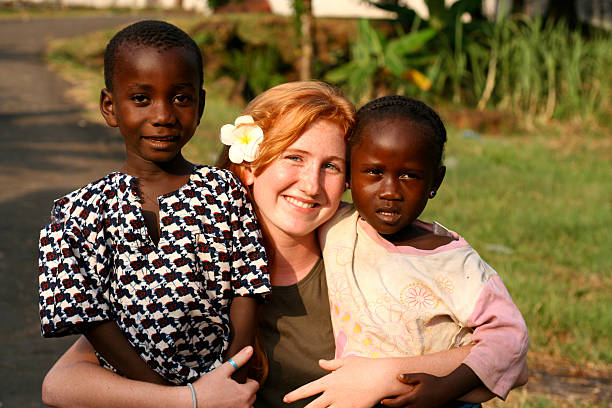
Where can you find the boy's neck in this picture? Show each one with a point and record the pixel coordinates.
(153, 171)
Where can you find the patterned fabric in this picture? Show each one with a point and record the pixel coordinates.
(395, 301)
(97, 263)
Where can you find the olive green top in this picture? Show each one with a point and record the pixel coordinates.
(296, 330)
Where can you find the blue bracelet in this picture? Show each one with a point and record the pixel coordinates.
(232, 362)
(195, 401)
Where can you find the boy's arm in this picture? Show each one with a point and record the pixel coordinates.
(243, 318)
(110, 342)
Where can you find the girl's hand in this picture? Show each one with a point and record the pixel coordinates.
(354, 382)
(217, 388)
(425, 392)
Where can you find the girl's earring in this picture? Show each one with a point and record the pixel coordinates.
(346, 186)
(432, 193)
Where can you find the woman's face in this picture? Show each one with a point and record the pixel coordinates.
(301, 189)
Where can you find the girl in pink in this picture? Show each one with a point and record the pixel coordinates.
(402, 287)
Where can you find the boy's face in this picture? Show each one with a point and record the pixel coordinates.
(156, 102)
(392, 172)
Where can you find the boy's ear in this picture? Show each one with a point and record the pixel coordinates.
(202, 104)
(107, 108)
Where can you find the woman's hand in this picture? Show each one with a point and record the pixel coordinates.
(353, 382)
(217, 388)
(78, 380)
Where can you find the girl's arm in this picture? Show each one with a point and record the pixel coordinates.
(108, 340)
(77, 380)
(243, 318)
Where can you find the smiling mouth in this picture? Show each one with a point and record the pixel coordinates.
(299, 203)
(162, 138)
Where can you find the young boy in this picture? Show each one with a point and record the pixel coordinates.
(160, 263)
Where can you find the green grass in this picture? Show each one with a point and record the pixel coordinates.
(540, 217)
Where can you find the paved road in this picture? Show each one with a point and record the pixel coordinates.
(46, 150)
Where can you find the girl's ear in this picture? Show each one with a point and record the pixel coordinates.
(202, 104)
(107, 108)
(439, 178)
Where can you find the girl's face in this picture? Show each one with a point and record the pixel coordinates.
(301, 189)
(393, 170)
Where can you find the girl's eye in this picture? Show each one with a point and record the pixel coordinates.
(140, 99)
(182, 99)
(372, 172)
(409, 176)
(293, 158)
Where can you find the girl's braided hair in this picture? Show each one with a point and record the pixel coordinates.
(400, 107)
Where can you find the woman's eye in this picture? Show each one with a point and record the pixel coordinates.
(140, 99)
(331, 166)
(293, 158)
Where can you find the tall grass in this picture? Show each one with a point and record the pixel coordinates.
(544, 70)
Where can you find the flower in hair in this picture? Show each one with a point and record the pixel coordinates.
(243, 137)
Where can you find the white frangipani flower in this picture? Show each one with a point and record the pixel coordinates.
(243, 137)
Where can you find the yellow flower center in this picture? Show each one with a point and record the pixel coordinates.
(245, 139)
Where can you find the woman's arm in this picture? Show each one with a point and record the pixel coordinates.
(364, 382)
(77, 380)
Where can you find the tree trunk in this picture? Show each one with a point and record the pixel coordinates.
(306, 40)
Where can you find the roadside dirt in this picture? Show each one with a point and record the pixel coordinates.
(46, 150)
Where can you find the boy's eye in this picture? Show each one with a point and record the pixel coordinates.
(140, 99)
(373, 172)
(182, 99)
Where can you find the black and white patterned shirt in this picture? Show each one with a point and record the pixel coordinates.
(98, 263)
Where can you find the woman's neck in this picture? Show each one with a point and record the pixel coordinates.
(293, 258)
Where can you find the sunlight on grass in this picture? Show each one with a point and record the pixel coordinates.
(541, 221)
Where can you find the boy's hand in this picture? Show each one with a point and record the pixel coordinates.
(217, 389)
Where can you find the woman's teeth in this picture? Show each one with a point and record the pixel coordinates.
(299, 203)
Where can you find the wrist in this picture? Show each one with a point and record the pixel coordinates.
(460, 381)
(194, 397)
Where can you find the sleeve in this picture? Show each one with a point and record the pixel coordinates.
(500, 338)
(249, 263)
(73, 276)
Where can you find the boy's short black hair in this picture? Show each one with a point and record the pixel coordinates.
(148, 33)
(404, 107)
